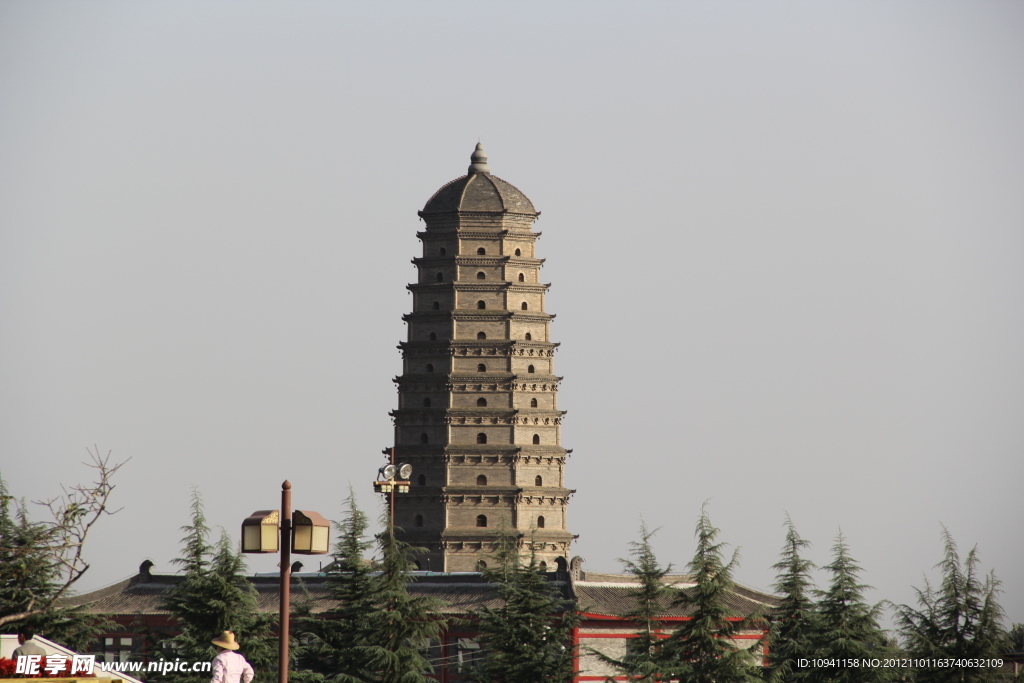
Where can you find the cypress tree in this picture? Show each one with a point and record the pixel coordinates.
(528, 638)
(402, 625)
(644, 659)
(793, 628)
(847, 626)
(702, 649)
(960, 619)
(336, 651)
(214, 596)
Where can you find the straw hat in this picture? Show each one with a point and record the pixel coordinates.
(226, 641)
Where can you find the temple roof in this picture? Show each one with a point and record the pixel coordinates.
(479, 192)
(596, 594)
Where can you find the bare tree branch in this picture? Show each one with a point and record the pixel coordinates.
(74, 514)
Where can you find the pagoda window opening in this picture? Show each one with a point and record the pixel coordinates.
(437, 305)
(530, 370)
(426, 403)
(525, 307)
(519, 252)
(421, 480)
(419, 522)
(433, 336)
(481, 402)
(424, 438)
(481, 521)
(481, 335)
(481, 305)
(481, 438)
(522, 278)
(481, 251)
(440, 277)
(540, 522)
(538, 481)
(544, 567)
(533, 403)
(430, 367)
(481, 368)
(536, 439)
(481, 480)
(481, 275)
(529, 337)
(443, 251)
(481, 565)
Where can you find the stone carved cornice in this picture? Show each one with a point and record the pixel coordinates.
(502, 450)
(476, 260)
(476, 315)
(470, 234)
(560, 498)
(480, 286)
(475, 419)
(473, 383)
(477, 347)
(532, 459)
(436, 382)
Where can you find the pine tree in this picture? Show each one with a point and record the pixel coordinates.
(792, 631)
(529, 637)
(31, 576)
(703, 649)
(847, 626)
(402, 625)
(337, 640)
(214, 596)
(960, 619)
(643, 659)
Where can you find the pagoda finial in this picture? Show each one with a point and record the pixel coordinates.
(479, 159)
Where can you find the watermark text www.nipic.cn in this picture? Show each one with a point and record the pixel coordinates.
(32, 665)
(899, 663)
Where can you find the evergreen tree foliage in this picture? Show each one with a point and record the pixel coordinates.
(214, 596)
(702, 649)
(335, 648)
(960, 619)
(402, 625)
(847, 626)
(31, 576)
(793, 629)
(529, 637)
(643, 659)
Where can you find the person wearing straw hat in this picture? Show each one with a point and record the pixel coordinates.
(228, 665)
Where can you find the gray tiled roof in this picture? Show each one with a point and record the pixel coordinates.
(479, 192)
(616, 599)
(605, 594)
(138, 595)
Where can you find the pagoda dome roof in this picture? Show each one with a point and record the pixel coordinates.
(480, 192)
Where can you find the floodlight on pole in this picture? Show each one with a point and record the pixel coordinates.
(387, 484)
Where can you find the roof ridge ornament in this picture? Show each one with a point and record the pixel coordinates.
(479, 161)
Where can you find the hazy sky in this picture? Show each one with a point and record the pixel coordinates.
(785, 243)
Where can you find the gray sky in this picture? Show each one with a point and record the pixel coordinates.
(784, 241)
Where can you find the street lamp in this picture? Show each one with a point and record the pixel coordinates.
(304, 533)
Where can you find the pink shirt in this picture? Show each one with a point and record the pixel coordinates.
(231, 667)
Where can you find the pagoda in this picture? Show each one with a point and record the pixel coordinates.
(478, 415)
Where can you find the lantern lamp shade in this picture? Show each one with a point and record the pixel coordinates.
(261, 532)
(310, 533)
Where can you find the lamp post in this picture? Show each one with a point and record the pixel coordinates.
(304, 533)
